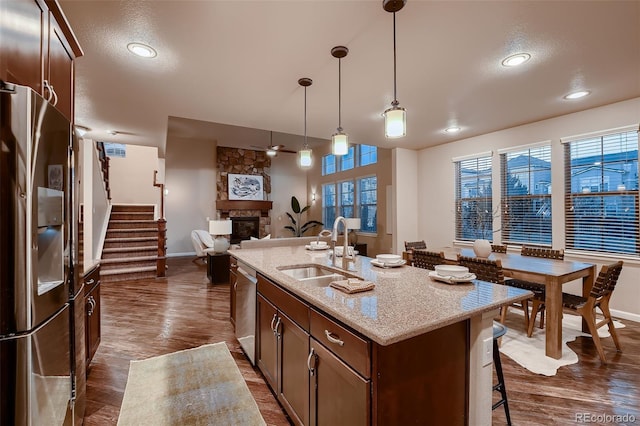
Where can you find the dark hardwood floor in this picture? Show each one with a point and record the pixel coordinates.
(146, 318)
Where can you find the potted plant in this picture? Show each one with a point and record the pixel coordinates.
(297, 227)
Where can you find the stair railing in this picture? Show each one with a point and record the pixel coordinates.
(161, 265)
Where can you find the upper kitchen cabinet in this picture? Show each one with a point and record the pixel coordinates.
(37, 49)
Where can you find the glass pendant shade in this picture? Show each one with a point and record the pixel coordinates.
(305, 157)
(395, 122)
(339, 143)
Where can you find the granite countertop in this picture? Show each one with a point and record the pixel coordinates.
(404, 303)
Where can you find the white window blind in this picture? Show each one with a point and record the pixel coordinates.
(368, 203)
(474, 206)
(525, 177)
(601, 190)
(328, 204)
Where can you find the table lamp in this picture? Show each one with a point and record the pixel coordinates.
(353, 223)
(220, 228)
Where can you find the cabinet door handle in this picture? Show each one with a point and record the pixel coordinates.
(273, 320)
(46, 85)
(92, 305)
(276, 332)
(91, 281)
(333, 339)
(312, 370)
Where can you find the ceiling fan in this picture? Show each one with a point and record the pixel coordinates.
(272, 150)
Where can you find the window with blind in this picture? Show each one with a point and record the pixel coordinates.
(328, 204)
(339, 199)
(601, 190)
(474, 206)
(368, 200)
(525, 178)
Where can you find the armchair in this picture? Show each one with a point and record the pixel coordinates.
(202, 243)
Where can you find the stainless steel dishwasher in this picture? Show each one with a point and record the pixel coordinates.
(246, 289)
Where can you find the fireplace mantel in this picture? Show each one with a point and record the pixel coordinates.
(225, 206)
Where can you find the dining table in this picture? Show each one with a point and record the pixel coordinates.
(550, 272)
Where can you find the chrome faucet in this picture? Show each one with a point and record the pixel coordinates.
(346, 258)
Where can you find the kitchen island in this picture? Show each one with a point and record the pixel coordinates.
(411, 350)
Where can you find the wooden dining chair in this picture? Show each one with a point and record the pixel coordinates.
(499, 248)
(491, 270)
(409, 247)
(413, 245)
(586, 306)
(538, 289)
(426, 259)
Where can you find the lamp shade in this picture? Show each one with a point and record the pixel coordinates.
(220, 227)
(395, 122)
(339, 143)
(353, 222)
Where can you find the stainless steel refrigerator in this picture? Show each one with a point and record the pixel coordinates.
(36, 273)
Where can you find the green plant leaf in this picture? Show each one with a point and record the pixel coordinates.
(305, 209)
(291, 218)
(295, 205)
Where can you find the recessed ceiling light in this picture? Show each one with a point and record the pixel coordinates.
(452, 129)
(577, 95)
(515, 60)
(142, 50)
(112, 132)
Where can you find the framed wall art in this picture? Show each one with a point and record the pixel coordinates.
(245, 187)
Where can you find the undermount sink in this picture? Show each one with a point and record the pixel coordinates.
(315, 275)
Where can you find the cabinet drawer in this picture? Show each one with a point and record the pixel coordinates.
(351, 348)
(286, 303)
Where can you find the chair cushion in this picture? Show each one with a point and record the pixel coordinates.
(205, 237)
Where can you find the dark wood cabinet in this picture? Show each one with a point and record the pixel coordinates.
(323, 372)
(339, 395)
(218, 265)
(283, 349)
(92, 310)
(37, 49)
(58, 69)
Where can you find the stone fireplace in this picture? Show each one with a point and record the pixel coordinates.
(243, 228)
(248, 162)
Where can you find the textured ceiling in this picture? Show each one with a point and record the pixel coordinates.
(223, 64)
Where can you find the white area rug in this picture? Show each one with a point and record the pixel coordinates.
(530, 353)
(200, 386)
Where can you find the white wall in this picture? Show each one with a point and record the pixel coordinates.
(190, 177)
(131, 178)
(436, 173)
(287, 180)
(404, 198)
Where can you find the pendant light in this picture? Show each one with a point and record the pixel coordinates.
(339, 140)
(304, 155)
(395, 118)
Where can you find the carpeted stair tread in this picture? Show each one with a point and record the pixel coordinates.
(129, 259)
(132, 230)
(127, 270)
(130, 239)
(128, 249)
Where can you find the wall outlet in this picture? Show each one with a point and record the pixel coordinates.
(487, 351)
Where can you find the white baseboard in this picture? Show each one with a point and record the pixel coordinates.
(189, 253)
(625, 315)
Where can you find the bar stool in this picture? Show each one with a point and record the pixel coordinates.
(499, 330)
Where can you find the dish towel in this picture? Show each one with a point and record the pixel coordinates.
(352, 285)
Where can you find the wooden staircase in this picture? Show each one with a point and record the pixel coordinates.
(131, 245)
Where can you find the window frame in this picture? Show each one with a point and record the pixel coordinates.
(482, 220)
(597, 203)
(512, 216)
